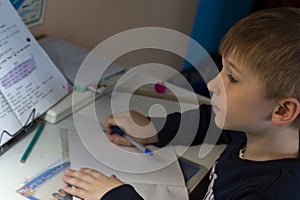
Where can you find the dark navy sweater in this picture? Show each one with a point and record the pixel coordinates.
(231, 177)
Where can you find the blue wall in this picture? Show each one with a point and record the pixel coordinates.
(213, 19)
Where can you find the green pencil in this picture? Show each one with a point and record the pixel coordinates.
(32, 142)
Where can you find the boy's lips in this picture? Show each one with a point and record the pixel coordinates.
(215, 108)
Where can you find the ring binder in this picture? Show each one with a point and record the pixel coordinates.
(27, 128)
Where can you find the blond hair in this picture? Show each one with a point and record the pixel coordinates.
(268, 43)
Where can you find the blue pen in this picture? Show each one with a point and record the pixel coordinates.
(138, 145)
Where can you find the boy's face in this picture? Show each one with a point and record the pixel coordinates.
(240, 104)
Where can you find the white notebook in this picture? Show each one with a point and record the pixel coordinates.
(165, 183)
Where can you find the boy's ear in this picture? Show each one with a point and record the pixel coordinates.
(286, 112)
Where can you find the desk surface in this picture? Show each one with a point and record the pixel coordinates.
(48, 148)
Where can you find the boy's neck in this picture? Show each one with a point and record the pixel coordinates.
(276, 144)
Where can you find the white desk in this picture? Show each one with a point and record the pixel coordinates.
(48, 148)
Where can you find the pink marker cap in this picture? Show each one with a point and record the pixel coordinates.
(160, 87)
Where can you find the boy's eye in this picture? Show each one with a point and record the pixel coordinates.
(231, 78)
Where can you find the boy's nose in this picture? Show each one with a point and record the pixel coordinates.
(214, 84)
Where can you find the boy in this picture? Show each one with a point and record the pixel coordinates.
(261, 94)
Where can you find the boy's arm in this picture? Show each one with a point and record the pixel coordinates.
(169, 127)
(188, 128)
(124, 192)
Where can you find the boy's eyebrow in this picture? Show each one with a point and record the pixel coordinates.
(231, 65)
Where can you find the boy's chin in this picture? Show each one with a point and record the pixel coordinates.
(220, 123)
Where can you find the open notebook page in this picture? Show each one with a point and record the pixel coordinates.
(166, 183)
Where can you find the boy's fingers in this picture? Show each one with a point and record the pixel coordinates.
(107, 124)
(73, 176)
(119, 140)
(78, 192)
(77, 182)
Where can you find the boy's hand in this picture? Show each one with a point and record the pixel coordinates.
(135, 124)
(89, 184)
